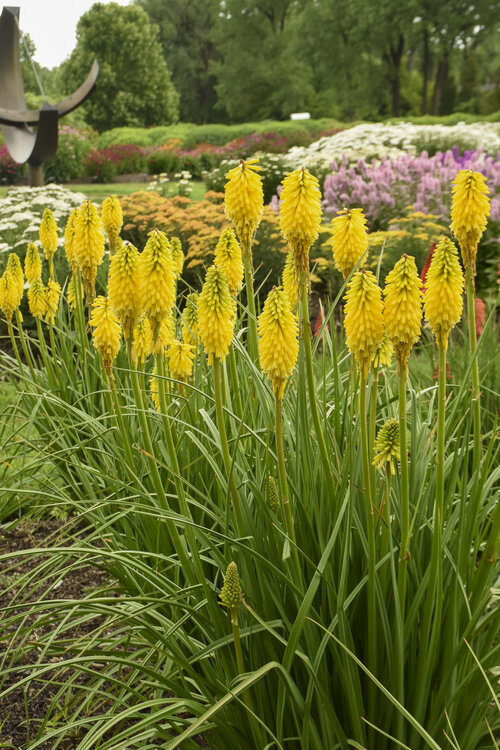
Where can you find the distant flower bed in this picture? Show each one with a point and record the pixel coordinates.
(384, 189)
(391, 141)
(21, 213)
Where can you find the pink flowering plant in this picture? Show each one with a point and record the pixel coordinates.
(10, 170)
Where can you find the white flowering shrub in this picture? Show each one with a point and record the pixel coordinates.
(378, 140)
(21, 212)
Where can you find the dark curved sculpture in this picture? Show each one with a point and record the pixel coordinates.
(30, 135)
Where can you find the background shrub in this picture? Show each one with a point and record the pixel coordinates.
(72, 147)
(10, 170)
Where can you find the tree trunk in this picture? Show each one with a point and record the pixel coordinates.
(439, 84)
(426, 72)
(393, 59)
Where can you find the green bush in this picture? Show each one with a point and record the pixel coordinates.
(72, 148)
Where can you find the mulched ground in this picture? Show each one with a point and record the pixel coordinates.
(22, 710)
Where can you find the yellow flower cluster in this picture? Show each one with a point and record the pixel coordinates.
(112, 219)
(364, 320)
(228, 259)
(216, 315)
(300, 214)
(403, 308)
(48, 234)
(157, 278)
(143, 340)
(123, 286)
(166, 334)
(11, 286)
(107, 331)
(190, 320)
(177, 256)
(444, 285)
(244, 199)
(469, 211)
(180, 360)
(36, 298)
(52, 295)
(349, 240)
(69, 239)
(32, 263)
(289, 279)
(88, 244)
(385, 352)
(278, 343)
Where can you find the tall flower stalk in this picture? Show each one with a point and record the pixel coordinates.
(244, 201)
(403, 320)
(278, 352)
(216, 319)
(300, 217)
(469, 211)
(364, 327)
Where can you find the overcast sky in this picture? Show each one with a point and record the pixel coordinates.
(52, 25)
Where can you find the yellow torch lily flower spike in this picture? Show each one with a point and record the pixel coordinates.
(69, 237)
(88, 245)
(244, 199)
(387, 447)
(143, 340)
(36, 298)
(9, 294)
(180, 360)
(289, 279)
(32, 263)
(384, 353)
(300, 214)
(52, 295)
(166, 334)
(123, 286)
(190, 320)
(228, 258)
(230, 594)
(403, 309)
(443, 296)
(364, 320)
(216, 315)
(107, 331)
(157, 278)
(278, 343)
(469, 211)
(153, 388)
(112, 219)
(16, 271)
(48, 234)
(70, 293)
(349, 239)
(177, 256)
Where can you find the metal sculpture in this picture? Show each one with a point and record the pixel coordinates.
(30, 135)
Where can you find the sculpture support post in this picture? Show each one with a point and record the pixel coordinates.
(36, 175)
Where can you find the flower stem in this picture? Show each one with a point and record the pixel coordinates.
(405, 496)
(306, 334)
(27, 353)
(283, 483)
(252, 316)
(241, 670)
(219, 410)
(476, 400)
(370, 535)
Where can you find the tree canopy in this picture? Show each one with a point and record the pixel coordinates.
(134, 85)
